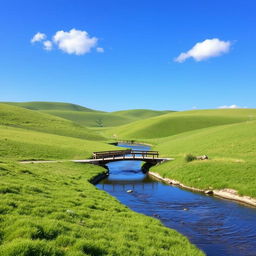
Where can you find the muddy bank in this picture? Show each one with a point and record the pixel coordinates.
(95, 180)
(226, 193)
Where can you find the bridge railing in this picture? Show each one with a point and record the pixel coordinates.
(105, 154)
(124, 153)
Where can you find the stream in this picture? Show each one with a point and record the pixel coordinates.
(218, 227)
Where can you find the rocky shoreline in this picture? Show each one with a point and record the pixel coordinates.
(226, 193)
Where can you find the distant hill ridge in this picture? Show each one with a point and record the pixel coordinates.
(89, 117)
(44, 105)
(179, 122)
(19, 117)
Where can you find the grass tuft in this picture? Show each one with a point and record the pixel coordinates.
(23, 247)
(190, 158)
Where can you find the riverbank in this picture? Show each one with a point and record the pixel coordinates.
(230, 194)
(231, 168)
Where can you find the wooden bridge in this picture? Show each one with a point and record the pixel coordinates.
(102, 158)
(124, 154)
(105, 157)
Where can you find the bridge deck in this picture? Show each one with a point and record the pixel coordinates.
(127, 158)
(125, 153)
(104, 157)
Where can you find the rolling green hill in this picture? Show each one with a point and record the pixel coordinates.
(231, 149)
(137, 114)
(89, 117)
(44, 105)
(106, 119)
(92, 119)
(18, 143)
(179, 122)
(34, 120)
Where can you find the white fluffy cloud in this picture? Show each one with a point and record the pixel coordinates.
(72, 42)
(231, 106)
(204, 50)
(75, 41)
(38, 37)
(47, 45)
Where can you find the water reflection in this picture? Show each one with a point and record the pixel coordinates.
(124, 185)
(219, 227)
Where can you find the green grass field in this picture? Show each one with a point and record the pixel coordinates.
(88, 117)
(137, 114)
(22, 144)
(232, 153)
(179, 122)
(92, 119)
(44, 105)
(19, 117)
(105, 119)
(52, 209)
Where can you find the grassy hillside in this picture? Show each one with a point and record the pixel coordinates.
(105, 119)
(179, 122)
(52, 210)
(92, 119)
(88, 117)
(19, 144)
(34, 120)
(231, 149)
(140, 113)
(44, 105)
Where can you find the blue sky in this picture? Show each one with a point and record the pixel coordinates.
(137, 69)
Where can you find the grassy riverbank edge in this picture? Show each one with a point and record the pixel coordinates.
(226, 193)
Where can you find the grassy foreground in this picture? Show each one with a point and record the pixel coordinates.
(51, 209)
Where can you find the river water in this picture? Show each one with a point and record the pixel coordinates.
(216, 226)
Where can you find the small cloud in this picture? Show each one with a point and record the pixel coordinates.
(203, 50)
(231, 106)
(99, 49)
(47, 45)
(75, 41)
(38, 37)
